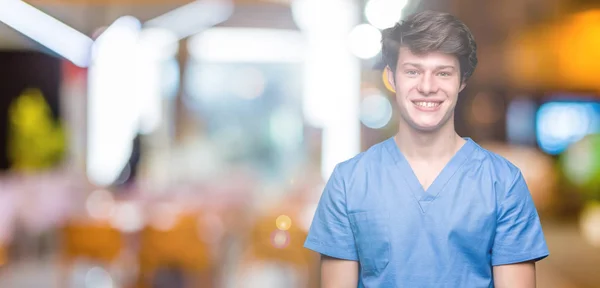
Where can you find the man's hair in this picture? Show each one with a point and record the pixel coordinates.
(431, 31)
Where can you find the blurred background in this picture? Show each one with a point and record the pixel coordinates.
(186, 143)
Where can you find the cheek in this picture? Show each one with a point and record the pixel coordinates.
(406, 87)
(450, 89)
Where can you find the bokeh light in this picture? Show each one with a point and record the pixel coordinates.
(283, 222)
(365, 41)
(590, 223)
(384, 13)
(331, 15)
(559, 124)
(100, 204)
(280, 239)
(127, 217)
(581, 163)
(375, 111)
(164, 216)
(98, 278)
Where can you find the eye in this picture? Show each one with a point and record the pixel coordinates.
(445, 74)
(411, 72)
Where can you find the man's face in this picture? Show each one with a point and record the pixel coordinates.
(427, 88)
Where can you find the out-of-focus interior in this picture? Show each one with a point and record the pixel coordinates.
(186, 143)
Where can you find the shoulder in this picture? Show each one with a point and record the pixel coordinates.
(375, 156)
(503, 172)
(497, 163)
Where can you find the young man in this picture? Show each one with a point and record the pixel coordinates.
(427, 208)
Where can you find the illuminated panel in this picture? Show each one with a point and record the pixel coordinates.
(46, 30)
(559, 124)
(113, 112)
(331, 99)
(520, 122)
(260, 45)
(193, 18)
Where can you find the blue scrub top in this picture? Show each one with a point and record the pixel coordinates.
(478, 213)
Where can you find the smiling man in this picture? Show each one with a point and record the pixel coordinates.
(427, 208)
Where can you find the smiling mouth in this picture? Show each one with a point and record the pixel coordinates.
(427, 104)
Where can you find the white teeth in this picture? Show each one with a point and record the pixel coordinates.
(427, 104)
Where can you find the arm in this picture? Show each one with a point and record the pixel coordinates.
(520, 275)
(332, 237)
(519, 241)
(338, 273)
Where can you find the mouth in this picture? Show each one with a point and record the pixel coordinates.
(427, 105)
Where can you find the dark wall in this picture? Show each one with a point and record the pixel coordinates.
(20, 70)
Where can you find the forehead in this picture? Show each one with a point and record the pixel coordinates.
(430, 59)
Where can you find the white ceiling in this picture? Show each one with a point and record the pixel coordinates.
(88, 18)
(85, 18)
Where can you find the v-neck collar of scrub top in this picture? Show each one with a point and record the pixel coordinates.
(425, 197)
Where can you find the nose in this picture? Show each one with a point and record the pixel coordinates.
(427, 84)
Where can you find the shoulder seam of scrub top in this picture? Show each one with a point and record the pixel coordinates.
(510, 187)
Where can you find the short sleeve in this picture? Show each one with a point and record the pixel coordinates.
(330, 233)
(519, 236)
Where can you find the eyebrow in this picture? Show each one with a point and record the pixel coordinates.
(441, 67)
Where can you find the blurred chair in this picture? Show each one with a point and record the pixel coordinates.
(95, 241)
(3, 257)
(175, 252)
(268, 244)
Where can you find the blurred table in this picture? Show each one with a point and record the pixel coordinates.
(572, 263)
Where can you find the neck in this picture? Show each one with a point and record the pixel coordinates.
(426, 146)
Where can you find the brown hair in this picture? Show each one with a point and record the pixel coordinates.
(431, 31)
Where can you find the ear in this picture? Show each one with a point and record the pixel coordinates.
(390, 77)
(462, 86)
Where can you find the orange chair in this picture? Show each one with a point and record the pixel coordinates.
(94, 240)
(268, 243)
(91, 240)
(178, 246)
(3, 257)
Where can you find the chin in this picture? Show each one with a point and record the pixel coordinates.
(427, 123)
(426, 127)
